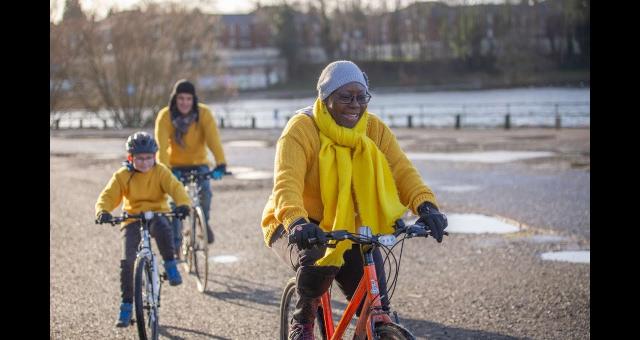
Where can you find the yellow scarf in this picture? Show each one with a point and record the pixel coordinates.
(350, 159)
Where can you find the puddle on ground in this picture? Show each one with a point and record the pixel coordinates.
(577, 256)
(478, 224)
(224, 258)
(481, 157)
(458, 188)
(239, 169)
(246, 144)
(254, 175)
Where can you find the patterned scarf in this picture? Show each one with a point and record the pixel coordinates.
(181, 123)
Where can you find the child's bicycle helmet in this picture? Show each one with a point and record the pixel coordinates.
(141, 142)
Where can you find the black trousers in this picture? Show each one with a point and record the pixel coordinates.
(160, 230)
(312, 281)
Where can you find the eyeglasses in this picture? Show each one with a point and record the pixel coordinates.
(143, 159)
(362, 99)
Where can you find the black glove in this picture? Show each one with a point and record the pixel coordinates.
(104, 217)
(301, 231)
(182, 211)
(433, 220)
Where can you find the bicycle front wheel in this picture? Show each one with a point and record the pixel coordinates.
(200, 248)
(288, 306)
(186, 248)
(145, 307)
(391, 331)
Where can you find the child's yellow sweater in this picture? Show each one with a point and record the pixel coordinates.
(142, 191)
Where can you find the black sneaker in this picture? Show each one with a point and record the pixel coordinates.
(300, 331)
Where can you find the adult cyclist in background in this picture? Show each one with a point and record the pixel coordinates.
(184, 130)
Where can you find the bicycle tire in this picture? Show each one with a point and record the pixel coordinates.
(179, 256)
(287, 305)
(148, 325)
(188, 241)
(200, 255)
(392, 331)
(185, 250)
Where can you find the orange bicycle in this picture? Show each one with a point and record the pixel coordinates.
(373, 322)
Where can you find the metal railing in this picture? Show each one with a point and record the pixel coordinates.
(457, 115)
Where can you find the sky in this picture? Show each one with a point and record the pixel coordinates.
(101, 7)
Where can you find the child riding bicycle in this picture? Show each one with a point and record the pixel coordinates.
(142, 185)
(338, 166)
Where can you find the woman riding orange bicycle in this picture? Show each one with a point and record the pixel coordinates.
(338, 166)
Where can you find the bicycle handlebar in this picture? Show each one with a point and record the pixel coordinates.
(193, 175)
(414, 230)
(145, 216)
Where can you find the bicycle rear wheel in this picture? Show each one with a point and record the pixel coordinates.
(200, 255)
(146, 309)
(288, 305)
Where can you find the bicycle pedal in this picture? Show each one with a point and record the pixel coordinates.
(163, 276)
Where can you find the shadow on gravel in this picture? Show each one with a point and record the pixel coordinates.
(432, 330)
(164, 332)
(237, 291)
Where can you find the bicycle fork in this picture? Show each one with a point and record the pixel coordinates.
(371, 312)
(154, 298)
(156, 281)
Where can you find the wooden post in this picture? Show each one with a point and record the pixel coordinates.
(222, 122)
(458, 121)
(253, 122)
(409, 121)
(558, 119)
(507, 121)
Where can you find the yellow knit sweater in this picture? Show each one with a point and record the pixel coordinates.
(200, 133)
(141, 191)
(296, 191)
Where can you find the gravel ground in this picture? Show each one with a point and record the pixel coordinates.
(484, 286)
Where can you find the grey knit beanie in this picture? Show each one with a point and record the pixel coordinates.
(339, 73)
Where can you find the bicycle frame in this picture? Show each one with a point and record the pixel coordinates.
(371, 310)
(193, 190)
(373, 320)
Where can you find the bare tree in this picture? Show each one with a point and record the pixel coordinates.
(64, 39)
(131, 59)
